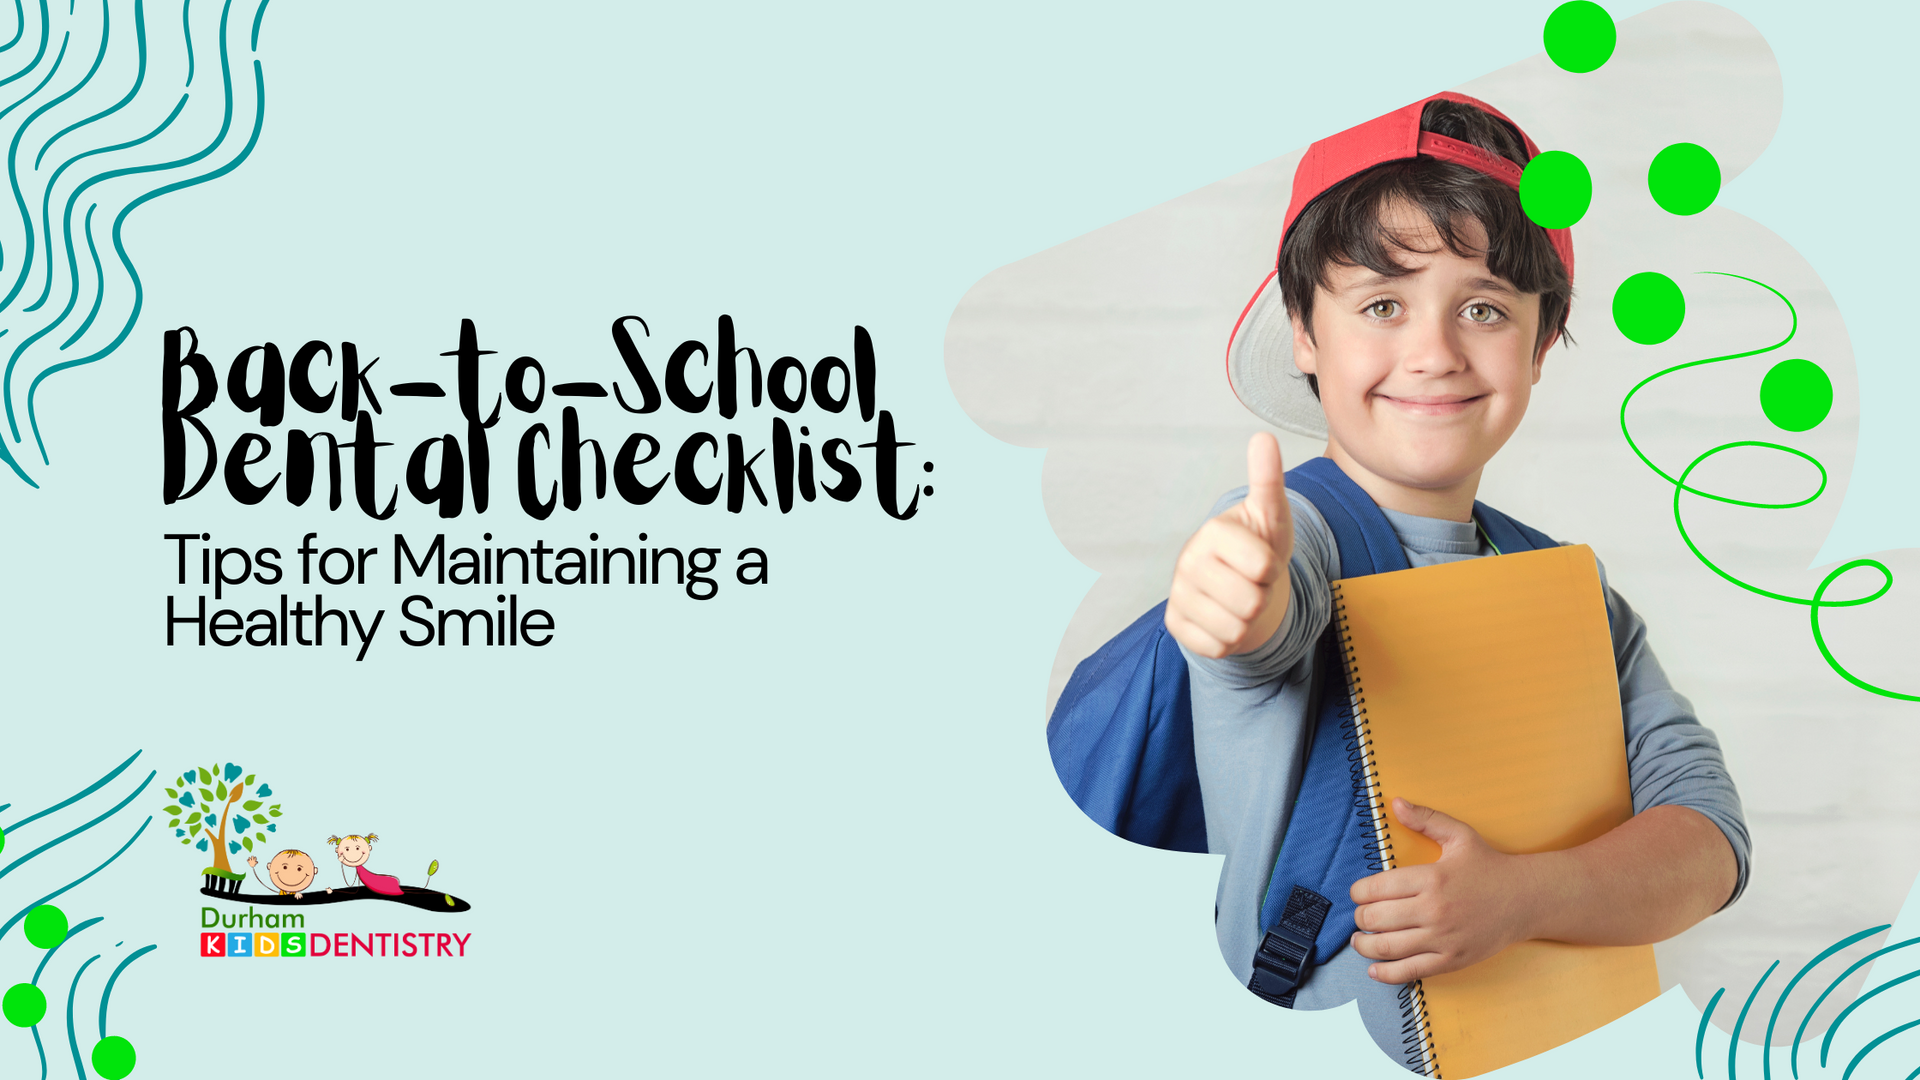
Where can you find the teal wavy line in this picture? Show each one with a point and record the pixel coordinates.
(71, 799)
(1733, 1045)
(28, 96)
(1868, 1049)
(119, 248)
(66, 224)
(257, 16)
(66, 216)
(13, 155)
(139, 78)
(99, 280)
(107, 994)
(47, 198)
(46, 31)
(19, 25)
(36, 981)
(1766, 1059)
(187, 30)
(226, 124)
(49, 954)
(1794, 1058)
(1700, 1036)
(73, 1043)
(22, 913)
(119, 806)
(1857, 1002)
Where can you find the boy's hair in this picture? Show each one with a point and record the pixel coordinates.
(1344, 224)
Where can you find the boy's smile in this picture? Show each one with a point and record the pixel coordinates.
(1423, 376)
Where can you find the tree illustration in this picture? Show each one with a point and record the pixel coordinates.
(202, 795)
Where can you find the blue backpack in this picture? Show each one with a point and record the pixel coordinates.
(1121, 737)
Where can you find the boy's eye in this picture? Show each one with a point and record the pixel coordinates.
(1383, 309)
(1483, 313)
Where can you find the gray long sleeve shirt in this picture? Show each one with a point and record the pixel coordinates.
(1250, 722)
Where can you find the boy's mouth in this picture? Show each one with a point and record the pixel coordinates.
(1431, 404)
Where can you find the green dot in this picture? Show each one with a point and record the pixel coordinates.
(1556, 189)
(1649, 308)
(113, 1057)
(23, 1005)
(1579, 36)
(1796, 395)
(1684, 178)
(46, 926)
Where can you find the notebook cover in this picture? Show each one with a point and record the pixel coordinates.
(1490, 693)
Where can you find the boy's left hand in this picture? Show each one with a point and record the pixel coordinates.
(1442, 916)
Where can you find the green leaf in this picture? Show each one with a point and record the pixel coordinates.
(247, 842)
(449, 899)
(433, 867)
(170, 809)
(252, 804)
(196, 817)
(249, 780)
(172, 794)
(274, 812)
(206, 777)
(206, 796)
(174, 824)
(259, 819)
(195, 831)
(220, 791)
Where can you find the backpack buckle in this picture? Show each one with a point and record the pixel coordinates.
(1283, 960)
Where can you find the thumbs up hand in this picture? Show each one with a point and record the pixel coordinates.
(1230, 585)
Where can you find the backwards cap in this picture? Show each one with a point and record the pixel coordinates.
(1260, 353)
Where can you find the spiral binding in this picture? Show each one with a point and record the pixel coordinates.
(1417, 1028)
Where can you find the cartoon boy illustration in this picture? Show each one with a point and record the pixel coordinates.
(291, 872)
(1408, 318)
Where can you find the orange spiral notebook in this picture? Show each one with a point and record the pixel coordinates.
(1486, 689)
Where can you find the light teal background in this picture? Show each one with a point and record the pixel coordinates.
(810, 828)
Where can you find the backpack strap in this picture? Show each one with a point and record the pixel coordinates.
(1306, 917)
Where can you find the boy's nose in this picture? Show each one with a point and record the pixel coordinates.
(1432, 346)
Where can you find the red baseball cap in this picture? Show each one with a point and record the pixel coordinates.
(1260, 352)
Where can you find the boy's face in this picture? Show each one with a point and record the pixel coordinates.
(1423, 377)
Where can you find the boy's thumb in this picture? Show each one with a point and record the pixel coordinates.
(1430, 823)
(1266, 505)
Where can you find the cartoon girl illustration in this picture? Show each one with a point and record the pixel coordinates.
(353, 851)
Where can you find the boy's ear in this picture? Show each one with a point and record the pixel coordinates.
(1540, 354)
(1303, 354)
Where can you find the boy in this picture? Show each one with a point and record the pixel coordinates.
(1418, 303)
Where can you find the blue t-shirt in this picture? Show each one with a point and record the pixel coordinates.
(1250, 719)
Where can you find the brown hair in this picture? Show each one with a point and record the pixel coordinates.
(1343, 224)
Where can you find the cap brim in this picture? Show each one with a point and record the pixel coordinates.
(1260, 366)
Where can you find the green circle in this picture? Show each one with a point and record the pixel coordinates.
(1649, 308)
(1796, 395)
(46, 926)
(1556, 189)
(1684, 178)
(1579, 36)
(23, 1005)
(113, 1057)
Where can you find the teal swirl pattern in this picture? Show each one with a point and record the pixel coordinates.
(119, 113)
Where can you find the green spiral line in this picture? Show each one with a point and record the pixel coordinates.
(1680, 487)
